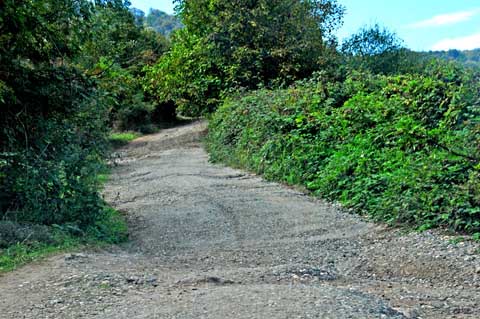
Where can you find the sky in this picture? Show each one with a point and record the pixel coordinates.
(423, 24)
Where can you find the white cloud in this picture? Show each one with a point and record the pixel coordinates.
(446, 19)
(463, 43)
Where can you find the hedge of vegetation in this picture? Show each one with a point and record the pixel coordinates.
(70, 71)
(401, 149)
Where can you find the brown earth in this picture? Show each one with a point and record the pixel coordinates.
(209, 241)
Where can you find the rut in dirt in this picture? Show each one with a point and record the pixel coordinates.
(209, 241)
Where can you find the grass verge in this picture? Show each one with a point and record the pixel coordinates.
(111, 229)
(20, 253)
(122, 138)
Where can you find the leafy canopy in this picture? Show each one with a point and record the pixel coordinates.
(245, 44)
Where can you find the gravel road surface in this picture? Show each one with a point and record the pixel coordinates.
(209, 241)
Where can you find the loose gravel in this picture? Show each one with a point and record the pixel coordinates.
(209, 241)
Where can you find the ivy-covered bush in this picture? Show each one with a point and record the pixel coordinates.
(402, 149)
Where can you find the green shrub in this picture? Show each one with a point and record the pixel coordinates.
(111, 229)
(51, 163)
(53, 117)
(400, 149)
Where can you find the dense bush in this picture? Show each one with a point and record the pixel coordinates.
(52, 149)
(12, 233)
(399, 148)
(51, 142)
(54, 111)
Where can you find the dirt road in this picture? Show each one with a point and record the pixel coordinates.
(213, 242)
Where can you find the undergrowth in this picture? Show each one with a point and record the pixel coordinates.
(401, 149)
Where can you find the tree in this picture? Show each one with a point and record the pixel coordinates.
(187, 76)
(51, 114)
(65, 67)
(254, 43)
(469, 58)
(139, 16)
(115, 54)
(371, 41)
(376, 49)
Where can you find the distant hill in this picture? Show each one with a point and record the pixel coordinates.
(157, 20)
(162, 22)
(469, 57)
